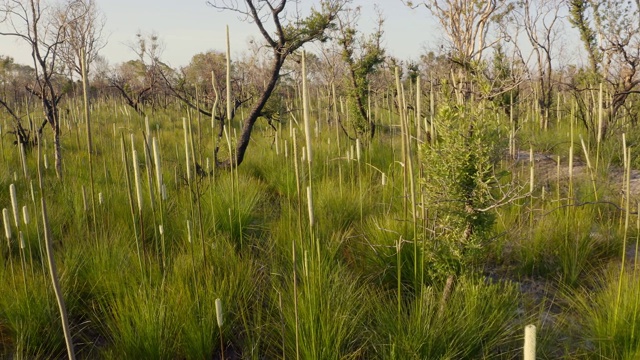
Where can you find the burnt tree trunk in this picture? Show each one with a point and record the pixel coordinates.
(247, 127)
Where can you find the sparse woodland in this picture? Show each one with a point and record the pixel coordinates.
(317, 198)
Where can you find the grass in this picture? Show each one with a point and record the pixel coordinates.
(606, 324)
(332, 317)
(479, 320)
(30, 325)
(359, 283)
(566, 244)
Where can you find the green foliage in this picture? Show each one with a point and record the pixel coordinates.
(379, 257)
(578, 17)
(362, 56)
(566, 244)
(314, 27)
(369, 288)
(193, 287)
(336, 211)
(458, 176)
(332, 312)
(234, 214)
(142, 326)
(502, 77)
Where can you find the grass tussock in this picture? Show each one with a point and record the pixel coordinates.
(338, 258)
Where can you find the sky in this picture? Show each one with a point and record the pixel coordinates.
(188, 27)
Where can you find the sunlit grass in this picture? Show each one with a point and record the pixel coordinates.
(360, 284)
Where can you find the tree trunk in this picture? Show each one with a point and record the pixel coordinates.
(53, 118)
(85, 98)
(57, 150)
(249, 122)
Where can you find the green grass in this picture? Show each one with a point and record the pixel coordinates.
(333, 308)
(478, 320)
(30, 324)
(607, 323)
(566, 244)
(363, 282)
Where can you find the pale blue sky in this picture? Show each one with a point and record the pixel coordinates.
(188, 27)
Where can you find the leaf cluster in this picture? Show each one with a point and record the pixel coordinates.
(458, 180)
(363, 56)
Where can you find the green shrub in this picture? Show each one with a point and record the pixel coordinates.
(457, 185)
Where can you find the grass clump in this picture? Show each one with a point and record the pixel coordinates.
(234, 206)
(142, 326)
(29, 319)
(565, 244)
(606, 322)
(192, 288)
(331, 320)
(479, 320)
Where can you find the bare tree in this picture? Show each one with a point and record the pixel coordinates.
(610, 33)
(467, 25)
(34, 23)
(290, 33)
(194, 86)
(83, 41)
(14, 78)
(138, 81)
(541, 21)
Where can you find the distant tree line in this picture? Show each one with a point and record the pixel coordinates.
(483, 58)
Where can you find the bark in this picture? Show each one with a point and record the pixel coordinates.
(249, 122)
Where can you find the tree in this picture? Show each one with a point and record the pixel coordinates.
(8, 71)
(83, 41)
(36, 25)
(468, 25)
(194, 86)
(13, 79)
(541, 21)
(462, 188)
(505, 80)
(362, 56)
(287, 37)
(579, 18)
(471, 27)
(138, 81)
(610, 33)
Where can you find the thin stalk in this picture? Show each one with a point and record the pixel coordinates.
(298, 184)
(53, 271)
(591, 171)
(8, 235)
(600, 129)
(85, 97)
(627, 212)
(131, 204)
(152, 203)
(228, 79)
(193, 264)
(418, 112)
